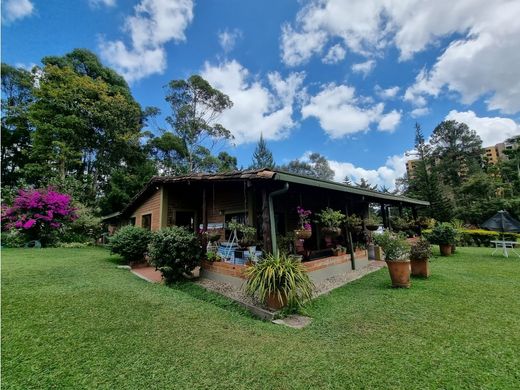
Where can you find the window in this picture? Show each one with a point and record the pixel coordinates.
(185, 219)
(146, 221)
(132, 221)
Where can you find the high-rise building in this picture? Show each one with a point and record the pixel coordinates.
(493, 154)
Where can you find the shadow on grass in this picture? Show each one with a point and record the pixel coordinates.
(214, 298)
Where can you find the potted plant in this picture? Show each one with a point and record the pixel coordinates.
(305, 230)
(443, 235)
(420, 253)
(396, 251)
(353, 222)
(331, 221)
(279, 281)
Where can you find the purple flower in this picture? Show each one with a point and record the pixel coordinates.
(29, 224)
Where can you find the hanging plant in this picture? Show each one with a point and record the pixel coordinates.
(305, 230)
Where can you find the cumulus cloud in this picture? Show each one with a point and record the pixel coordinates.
(388, 93)
(259, 108)
(153, 24)
(340, 112)
(335, 54)
(417, 112)
(228, 39)
(492, 130)
(16, 10)
(481, 62)
(385, 175)
(364, 67)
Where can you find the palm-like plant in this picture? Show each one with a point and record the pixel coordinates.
(282, 278)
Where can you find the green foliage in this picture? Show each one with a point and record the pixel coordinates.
(286, 243)
(443, 234)
(353, 220)
(131, 243)
(420, 250)
(86, 228)
(331, 218)
(282, 277)
(394, 246)
(195, 105)
(13, 239)
(364, 184)
(247, 233)
(317, 166)
(175, 252)
(262, 156)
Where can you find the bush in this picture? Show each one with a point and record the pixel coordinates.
(175, 251)
(394, 246)
(86, 228)
(443, 234)
(13, 239)
(131, 242)
(420, 250)
(282, 277)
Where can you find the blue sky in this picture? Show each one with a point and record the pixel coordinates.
(345, 79)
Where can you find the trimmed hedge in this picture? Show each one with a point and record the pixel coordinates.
(478, 237)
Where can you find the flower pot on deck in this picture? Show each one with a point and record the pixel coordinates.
(420, 268)
(399, 273)
(331, 231)
(445, 249)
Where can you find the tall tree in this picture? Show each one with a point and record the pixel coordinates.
(17, 97)
(195, 107)
(317, 166)
(262, 156)
(363, 183)
(347, 180)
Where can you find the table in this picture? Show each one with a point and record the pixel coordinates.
(505, 245)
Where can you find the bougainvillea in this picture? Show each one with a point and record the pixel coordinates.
(304, 216)
(36, 212)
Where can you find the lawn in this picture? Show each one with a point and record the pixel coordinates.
(70, 319)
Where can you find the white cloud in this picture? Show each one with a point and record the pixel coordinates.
(17, 9)
(154, 23)
(387, 93)
(417, 112)
(340, 112)
(228, 39)
(385, 175)
(364, 67)
(335, 54)
(492, 130)
(98, 3)
(257, 109)
(389, 121)
(482, 61)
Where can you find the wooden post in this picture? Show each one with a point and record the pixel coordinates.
(266, 227)
(384, 215)
(401, 210)
(350, 244)
(204, 210)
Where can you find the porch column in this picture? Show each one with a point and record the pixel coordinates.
(384, 215)
(349, 242)
(266, 227)
(401, 210)
(204, 210)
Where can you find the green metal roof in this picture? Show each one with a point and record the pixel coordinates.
(376, 196)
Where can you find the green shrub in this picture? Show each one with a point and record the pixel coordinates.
(331, 218)
(87, 227)
(394, 246)
(131, 242)
(443, 234)
(420, 250)
(280, 276)
(175, 251)
(13, 239)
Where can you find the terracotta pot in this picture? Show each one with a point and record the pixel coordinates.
(303, 234)
(399, 273)
(273, 302)
(331, 231)
(420, 268)
(445, 249)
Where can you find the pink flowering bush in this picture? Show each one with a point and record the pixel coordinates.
(36, 213)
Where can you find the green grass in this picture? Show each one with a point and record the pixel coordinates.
(70, 319)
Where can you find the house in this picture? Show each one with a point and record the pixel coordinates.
(263, 198)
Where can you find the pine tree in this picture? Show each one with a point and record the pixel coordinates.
(262, 157)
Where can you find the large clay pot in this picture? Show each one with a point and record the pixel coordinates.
(445, 249)
(420, 268)
(399, 273)
(274, 303)
(303, 234)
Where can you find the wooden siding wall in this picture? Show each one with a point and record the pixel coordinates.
(150, 205)
(228, 198)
